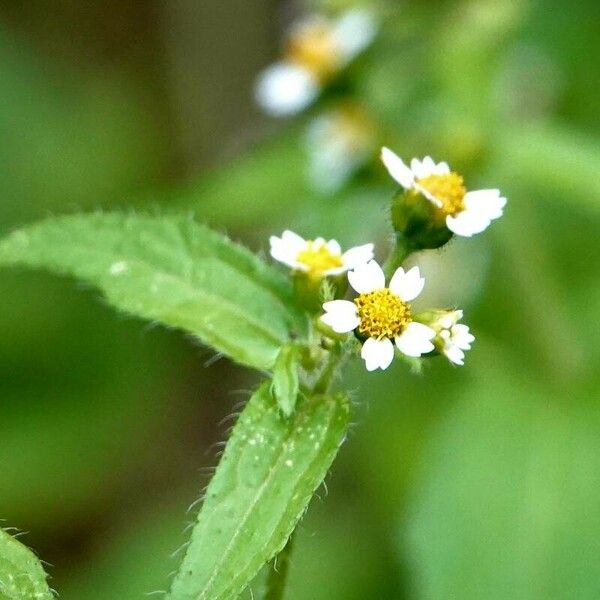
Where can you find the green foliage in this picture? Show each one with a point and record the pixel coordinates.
(286, 384)
(508, 507)
(266, 478)
(21, 574)
(171, 270)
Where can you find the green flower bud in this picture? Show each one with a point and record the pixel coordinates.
(417, 222)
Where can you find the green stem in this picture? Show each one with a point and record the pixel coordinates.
(278, 571)
(326, 378)
(397, 256)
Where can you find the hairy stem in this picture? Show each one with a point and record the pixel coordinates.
(278, 571)
(278, 568)
(327, 374)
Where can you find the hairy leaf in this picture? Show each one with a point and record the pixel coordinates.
(286, 384)
(171, 270)
(21, 574)
(268, 474)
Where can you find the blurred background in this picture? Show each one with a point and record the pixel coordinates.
(479, 482)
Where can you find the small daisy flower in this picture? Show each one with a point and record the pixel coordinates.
(464, 212)
(452, 338)
(319, 258)
(339, 142)
(316, 50)
(381, 315)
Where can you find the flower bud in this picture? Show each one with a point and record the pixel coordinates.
(452, 338)
(416, 220)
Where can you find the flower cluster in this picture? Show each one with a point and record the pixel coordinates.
(317, 49)
(381, 315)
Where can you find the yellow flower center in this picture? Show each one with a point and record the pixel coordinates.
(449, 189)
(318, 258)
(382, 314)
(313, 47)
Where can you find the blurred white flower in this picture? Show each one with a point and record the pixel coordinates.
(285, 89)
(339, 142)
(319, 258)
(316, 49)
(381, 315)
(465, 213)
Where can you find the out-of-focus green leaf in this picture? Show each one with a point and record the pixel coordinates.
(262, 186)
(286, 383)
(508, 508)
(266, 478)
(21, 574)
(556, 161)
(171, 270)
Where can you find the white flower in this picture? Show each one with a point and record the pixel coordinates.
(339, 142)
(381, 314)
(318, 257)
(466, 212)
(452, 338)
(316, 49)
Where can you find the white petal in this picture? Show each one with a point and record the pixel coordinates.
(466, 223)
(334, 247)
(293, 239)
(441, 168)
(340, 315)
(454, 354)
(417, 168)
(462, 337)
(284, 89)
(450, 318)
(284, 252)
(397, 169)
(407, 286)
(415, 340)
(488, 203)
(354, 31)
(359, 255)
(423, 168)
(367, 278)
(429, 166)
(377, 354)
(345, 306)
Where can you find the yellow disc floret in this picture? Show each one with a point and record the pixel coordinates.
(313, 47)
(449, 189)
(319, 259)
(382, 314)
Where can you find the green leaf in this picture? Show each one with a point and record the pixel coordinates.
(266, 478)
(509, 504)
(171, 270)
(286, 383)
(256, 174)
(555, 160)
(21, 574)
